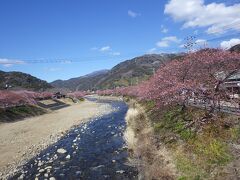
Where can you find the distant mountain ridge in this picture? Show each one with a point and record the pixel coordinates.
(19, 80)
(81, 83)
(129, 72)
(96, 73)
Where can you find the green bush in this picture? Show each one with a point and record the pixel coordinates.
(189, 168)
(174, 121)
(235, 133)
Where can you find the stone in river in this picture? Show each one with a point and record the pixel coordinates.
(21, 177)
(55, 156)
(52, 178)
(120, 171)
(41, 170)
(48, 167)
(68, 156)
(40, 163)
(97, 167)
(61, 151)
(78, 172)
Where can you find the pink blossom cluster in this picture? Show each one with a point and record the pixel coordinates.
(195, 74)
(17, 98)
(76, 94)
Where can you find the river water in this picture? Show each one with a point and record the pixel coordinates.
(94, 150)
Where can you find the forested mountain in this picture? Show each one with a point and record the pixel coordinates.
(19, 80)
(129, 72)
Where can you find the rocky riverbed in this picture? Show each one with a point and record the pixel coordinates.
(93, 150)
(22, 140)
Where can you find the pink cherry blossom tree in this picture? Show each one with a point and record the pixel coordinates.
(23, 97)
(77, 94)
(194, 76)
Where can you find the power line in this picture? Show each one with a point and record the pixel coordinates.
(66, 60)
(89, 59)
(225, 28)
(222, 37)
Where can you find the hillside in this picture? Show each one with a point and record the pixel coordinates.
(19, 80)
(81, 83)
(127, 73)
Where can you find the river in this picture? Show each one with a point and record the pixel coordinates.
(93, 150)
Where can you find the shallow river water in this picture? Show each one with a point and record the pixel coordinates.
(93, 150)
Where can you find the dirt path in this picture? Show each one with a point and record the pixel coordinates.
(22, 140)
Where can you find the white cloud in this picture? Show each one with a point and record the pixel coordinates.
(201, 41)
(164, 29)
(105, 48)
(115, 53)
(150, 51)
(162, 44)
(9, 62)
(230, 43)
(133, 14)
(182, 46)
(165, 42)
(171, 39)
(217, 17)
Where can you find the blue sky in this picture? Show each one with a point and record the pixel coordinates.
(88, 35)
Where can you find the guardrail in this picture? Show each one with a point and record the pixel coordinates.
(230, 109)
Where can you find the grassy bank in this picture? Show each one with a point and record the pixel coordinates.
(20, 112)
(181, 144)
